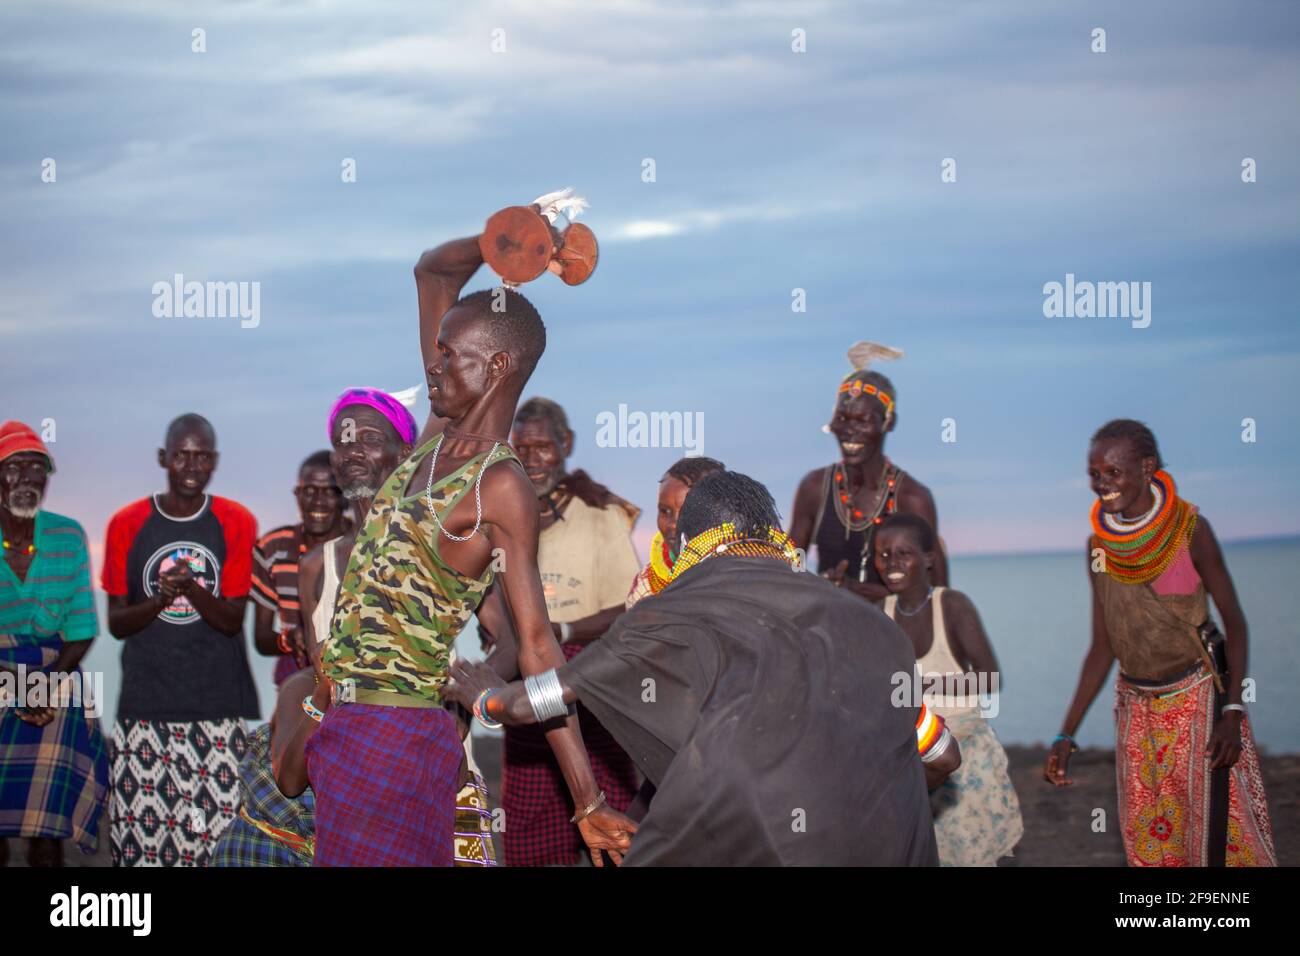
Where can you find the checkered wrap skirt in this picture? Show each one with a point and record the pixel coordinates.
(385, 780)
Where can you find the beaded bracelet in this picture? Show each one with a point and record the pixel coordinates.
(311, 710)
(481, 714)
(1074, 744)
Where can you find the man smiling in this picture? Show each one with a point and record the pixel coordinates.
(177, 567)
(276, 559)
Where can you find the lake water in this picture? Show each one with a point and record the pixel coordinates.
(1036, 611)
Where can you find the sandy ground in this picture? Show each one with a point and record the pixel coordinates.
(1058, 821)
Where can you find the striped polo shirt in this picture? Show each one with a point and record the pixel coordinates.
(56, 597)
(275, 584)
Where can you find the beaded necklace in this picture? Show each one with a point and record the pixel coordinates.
(9, 546)
(854, 519)
(1141, 549)
(723, 539)
(661, 564)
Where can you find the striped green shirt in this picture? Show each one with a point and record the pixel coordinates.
(56, 597)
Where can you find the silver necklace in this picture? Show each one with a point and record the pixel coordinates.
(478, 497)
(898, 605)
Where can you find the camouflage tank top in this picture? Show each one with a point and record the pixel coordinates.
(400, 606)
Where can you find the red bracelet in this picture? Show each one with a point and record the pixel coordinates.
(283, 643)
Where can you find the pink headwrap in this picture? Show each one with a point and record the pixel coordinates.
(398, 415)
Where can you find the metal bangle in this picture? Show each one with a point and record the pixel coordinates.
(566, 633)
(1228, 707)
(590, 808)
(545, 696)
(940, 745)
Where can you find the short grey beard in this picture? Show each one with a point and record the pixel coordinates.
(359, 491)
(25, 513)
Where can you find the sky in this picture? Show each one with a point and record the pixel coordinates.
(774, 171)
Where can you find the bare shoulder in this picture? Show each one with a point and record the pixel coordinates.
(915, 495)
(958, 602)
(507, 492)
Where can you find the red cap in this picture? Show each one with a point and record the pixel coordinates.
(16, 437)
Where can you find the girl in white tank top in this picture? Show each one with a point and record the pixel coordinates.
(976, 811)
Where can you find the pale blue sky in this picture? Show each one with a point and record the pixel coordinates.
(775, 170)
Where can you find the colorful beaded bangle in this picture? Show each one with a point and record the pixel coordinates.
(1074, 745)
(311, 710)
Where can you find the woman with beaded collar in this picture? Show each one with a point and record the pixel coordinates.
(838, 507)
(1190, 792)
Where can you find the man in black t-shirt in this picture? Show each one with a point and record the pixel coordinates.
(177, 567)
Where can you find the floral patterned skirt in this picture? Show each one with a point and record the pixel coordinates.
(1163, 774)
(976, 811)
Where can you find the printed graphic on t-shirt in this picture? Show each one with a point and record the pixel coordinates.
(203, 565)
(554, 583)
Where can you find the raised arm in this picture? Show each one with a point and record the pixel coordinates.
(439, 276)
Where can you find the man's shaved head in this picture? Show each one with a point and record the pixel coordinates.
(190, 424)
(513, 326)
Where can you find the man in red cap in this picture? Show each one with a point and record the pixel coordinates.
(53, 763)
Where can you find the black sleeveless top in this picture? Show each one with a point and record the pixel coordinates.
(836, 542)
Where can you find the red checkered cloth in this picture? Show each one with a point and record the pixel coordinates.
(385, 780)
(536, 800)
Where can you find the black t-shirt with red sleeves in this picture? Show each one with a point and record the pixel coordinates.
(179, 667)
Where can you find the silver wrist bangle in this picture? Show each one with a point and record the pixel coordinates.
(566, 633)
(940, 746)
(546, 696)
(1228, 707)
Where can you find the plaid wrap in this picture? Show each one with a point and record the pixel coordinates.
(244, 843)
(536, 800)
(386, 780)
(53, 779)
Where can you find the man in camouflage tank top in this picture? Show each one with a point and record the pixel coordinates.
(384, 763)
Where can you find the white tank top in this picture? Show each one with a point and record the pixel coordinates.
(939, 659)
(324, 613)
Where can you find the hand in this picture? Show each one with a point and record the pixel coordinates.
(1225, 742)
(468, 680)
(1058, 763)
(36, 716)
(607, 829)
(836, 574)
(168, 590)
(297, 646)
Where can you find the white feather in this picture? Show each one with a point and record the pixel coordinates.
(409, 396)
(862, 354)
(561, 202)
